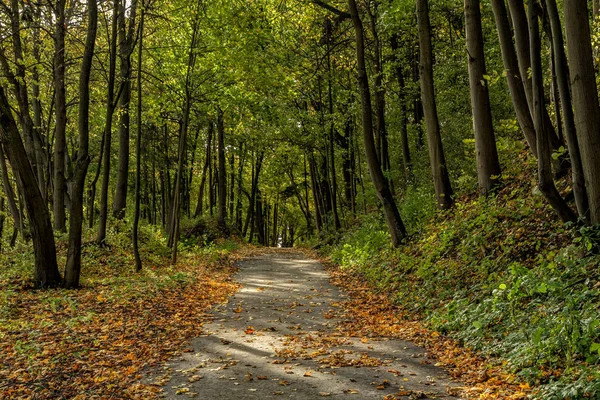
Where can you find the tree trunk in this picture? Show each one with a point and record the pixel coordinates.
(110, 108)
(46, 272)
(138, 147)
(520, 25)
(73, 267)
(60, 144)
(562, 78)
(513, 75)
(441, 181)
(199, 205)
(585, 99)
(546, 182)
(222, 209)
(10, 195)
(126, 47)
(488, 165)
(403, 113)
(392, 216)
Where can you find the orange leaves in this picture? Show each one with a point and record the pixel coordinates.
(250, 330)
(95, 342)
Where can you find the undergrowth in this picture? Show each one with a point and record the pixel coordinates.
(500, 274)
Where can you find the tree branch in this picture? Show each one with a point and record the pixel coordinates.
(339, 13)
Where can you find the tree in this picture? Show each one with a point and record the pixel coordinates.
(546, 182)
(585, 99)
(60, 141)
(488, 165)
(222, 183)
(138, 144)
(107, 137)
(563, 76)
(126, 48)
(513, 75)
(392, 216)
(46, 272)
(441, 180)
(73, 267)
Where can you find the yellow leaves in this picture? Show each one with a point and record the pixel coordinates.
(238, 310)
(307, 374)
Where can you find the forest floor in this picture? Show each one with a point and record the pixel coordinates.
(287, 334)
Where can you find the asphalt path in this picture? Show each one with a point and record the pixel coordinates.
(277, 338)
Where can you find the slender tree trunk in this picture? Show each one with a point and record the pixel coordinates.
(392, 216)
(562, 78)
(2, 219)
(585, 98)
(488, 165)
(126, 45)
(546, 182)
(46, 272)
(331, 147)
(138, 147)
(110, 108)
(73, 267)
(10, 195)
(36, 106)
(231, 197)
(199, 205)
(521, 29)
(176, 209)
(60, 144)
(403, 113)
(513, 75)
(222, 209)
(441, 180)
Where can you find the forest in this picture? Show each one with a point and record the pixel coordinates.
(444, 154)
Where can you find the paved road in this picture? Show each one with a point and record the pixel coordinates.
(276, 339)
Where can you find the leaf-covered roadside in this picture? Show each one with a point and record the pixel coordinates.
(96, 342)
(370, 314)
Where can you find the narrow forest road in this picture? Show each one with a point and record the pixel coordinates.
(277, 338)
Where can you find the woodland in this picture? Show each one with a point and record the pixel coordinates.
(444, 154)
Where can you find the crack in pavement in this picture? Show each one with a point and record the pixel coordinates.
(277, 338)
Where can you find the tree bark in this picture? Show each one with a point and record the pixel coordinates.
(73, 267)
(441, 180)
(126, 48)
(562, 79)
(403, 113)
(10, 195)
(585, 98)
(222, 209)
(521, 28)
(392, 215)
(46, 268)
(546, 182)
(110, 108)
(513, 75)
(488, 165)
(60, 142)
(138, 146)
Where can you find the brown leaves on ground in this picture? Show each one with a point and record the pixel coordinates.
(95, 342)
(369, 314)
